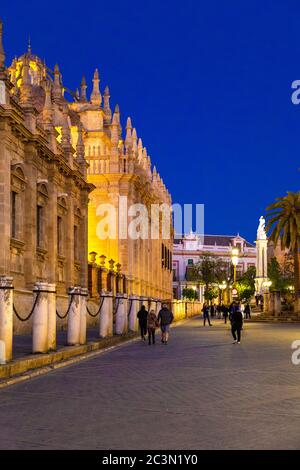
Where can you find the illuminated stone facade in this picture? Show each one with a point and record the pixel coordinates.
(55, 156)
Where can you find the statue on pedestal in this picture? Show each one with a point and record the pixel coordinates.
(261, 258)
(261, 231)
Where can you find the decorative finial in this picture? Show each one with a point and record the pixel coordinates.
(96, 97)
(29, 46)
(83, 88)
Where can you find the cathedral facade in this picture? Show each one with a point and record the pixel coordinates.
(60, 160)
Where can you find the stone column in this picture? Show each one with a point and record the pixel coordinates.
(297, 304)
(106, 315)
(74, 317)
(277, 303)
(6, 319)
(271, 303)
(51, 317)
(40, 319)
(121, 314)
(266, 303)
(158, 307)
(134, 308)
(83, 312)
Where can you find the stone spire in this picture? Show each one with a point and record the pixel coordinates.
(47, 110)
(83, 88)
(65, 130)
(96, 97)
(117, 111)
(128, 138)
(57, 88)
(25, 88)
(140, 149)
(134, 140)
(2, 53)
(80, 153)
(106, 107)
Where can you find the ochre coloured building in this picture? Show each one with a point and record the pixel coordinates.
(60, 160)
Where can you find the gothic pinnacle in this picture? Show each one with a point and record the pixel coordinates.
(96, 97)
(83, 88)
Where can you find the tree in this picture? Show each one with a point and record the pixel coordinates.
(189, 294)
(246, 284)
(209, 271)
(281, 277)
(284, 225)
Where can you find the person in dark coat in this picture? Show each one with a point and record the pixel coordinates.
(205, 310)
(165, 318)
(225, 313)
(247, 311)
(142, 317)
(236, 325)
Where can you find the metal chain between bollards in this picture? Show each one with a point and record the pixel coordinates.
(94, 315)
(32, 310)
(117, 306)
(130, 308)
(62, 317)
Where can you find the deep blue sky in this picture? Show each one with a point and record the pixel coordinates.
(207, 84)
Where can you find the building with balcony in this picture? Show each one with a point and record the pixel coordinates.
(190, 249)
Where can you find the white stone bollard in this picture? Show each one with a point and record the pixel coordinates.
(121, 314)
(83, 315)
(6, 319)
(73, 336)
(132, 320)
(106, 315)
(51, 317)
(40, 319)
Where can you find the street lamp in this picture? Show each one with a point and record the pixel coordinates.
(267, 284)
(222, 287)
(234, 260)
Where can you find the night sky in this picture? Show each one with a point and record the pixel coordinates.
(206, 83)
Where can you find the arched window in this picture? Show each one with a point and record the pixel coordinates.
(17, 202)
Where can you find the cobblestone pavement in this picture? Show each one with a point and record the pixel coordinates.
(199, 392)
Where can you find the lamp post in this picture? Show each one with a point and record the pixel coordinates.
(222, 287)
(234, 260)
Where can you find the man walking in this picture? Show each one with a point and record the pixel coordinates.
(247, 311)
(165, 318)
(205, 311)
(236, 325)
(142, 317)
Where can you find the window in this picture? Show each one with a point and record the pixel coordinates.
(39, 226)
(14, 214)
(190, 261)
(59, 236)
(75, 242)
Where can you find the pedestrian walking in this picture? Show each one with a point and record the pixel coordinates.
(225, 313)
(142, 317)
(165, 318)
(236, 325)
(152, 323)
(247, 311)
(205, 310)
(212, 310)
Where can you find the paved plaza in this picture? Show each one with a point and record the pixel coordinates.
(199, 392)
